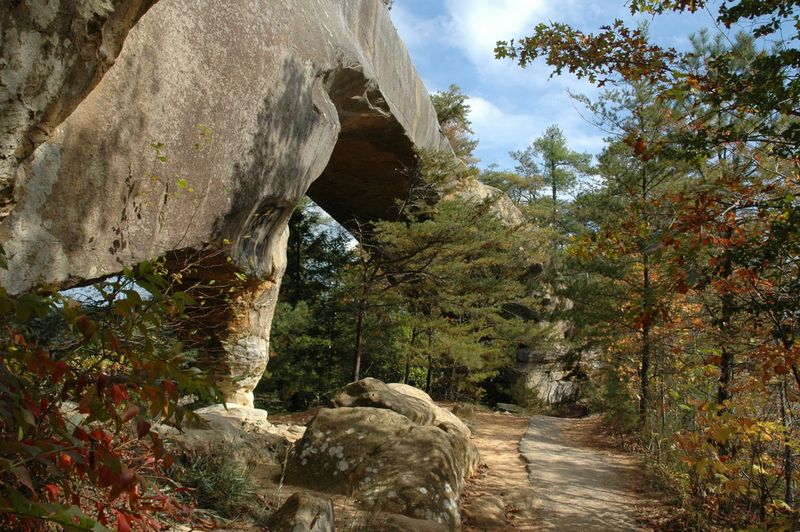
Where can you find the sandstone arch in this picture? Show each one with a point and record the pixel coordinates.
(197, 144)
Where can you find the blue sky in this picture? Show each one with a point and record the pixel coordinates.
(452, 41)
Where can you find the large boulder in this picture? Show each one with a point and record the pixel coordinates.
(374, 393)
(244, 433)
(442, 418)
(392, 448)
(406, 400)
(384, 460)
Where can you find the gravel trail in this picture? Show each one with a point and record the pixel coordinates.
(578, 486)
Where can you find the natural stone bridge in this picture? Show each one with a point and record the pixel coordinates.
(212, 123)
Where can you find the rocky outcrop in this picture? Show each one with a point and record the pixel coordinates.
(552, 377)
(554, 373)
(213, 122)
(53, 54)
(390, 457)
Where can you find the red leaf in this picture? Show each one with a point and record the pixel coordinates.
(130, 412)
(103, 381)
(84, 407)
(52, 491)
(58, 371)
(118, 394)
(80, 434)
(105, 477)
(171, 388)
(142, 428)
(101, 513)
(122, 522)
(101, 436)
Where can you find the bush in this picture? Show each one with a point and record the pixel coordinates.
(80, 387)
(217, 482)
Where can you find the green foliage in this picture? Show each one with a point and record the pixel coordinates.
(548, 162)
(310, 337)
(446, 268)
(452, 111)
(419, 299)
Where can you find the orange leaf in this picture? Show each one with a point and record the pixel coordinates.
(85, 325)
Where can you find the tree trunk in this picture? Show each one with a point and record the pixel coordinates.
(788, 459)
(359, 340)
(647, 310)
(723, 326)
(407, 371)
(429, 377)
(554, 192)
(644, 369)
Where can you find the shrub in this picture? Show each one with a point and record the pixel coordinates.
(80, 387)
(217, 482)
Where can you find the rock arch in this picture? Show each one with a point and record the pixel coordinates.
(197, 144)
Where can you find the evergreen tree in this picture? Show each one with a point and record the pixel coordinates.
(308, 341)
(448, 267)
(452, 111)
(548, 162)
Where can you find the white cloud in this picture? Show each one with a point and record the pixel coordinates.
(500, 131)
(452, 41)
(474, 26)
(477, 25)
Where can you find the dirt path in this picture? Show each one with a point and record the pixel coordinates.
(580, 486)
(499, 496)
(547, 473)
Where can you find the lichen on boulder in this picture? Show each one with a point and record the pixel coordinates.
(393, 460)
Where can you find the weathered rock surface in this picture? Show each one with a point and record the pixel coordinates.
(53, 54)
(552, 377)
(276, 89)
(374, 393)
(442, 418)
(389, 454)
(303, 513)
(401, 523)
(406, 400)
